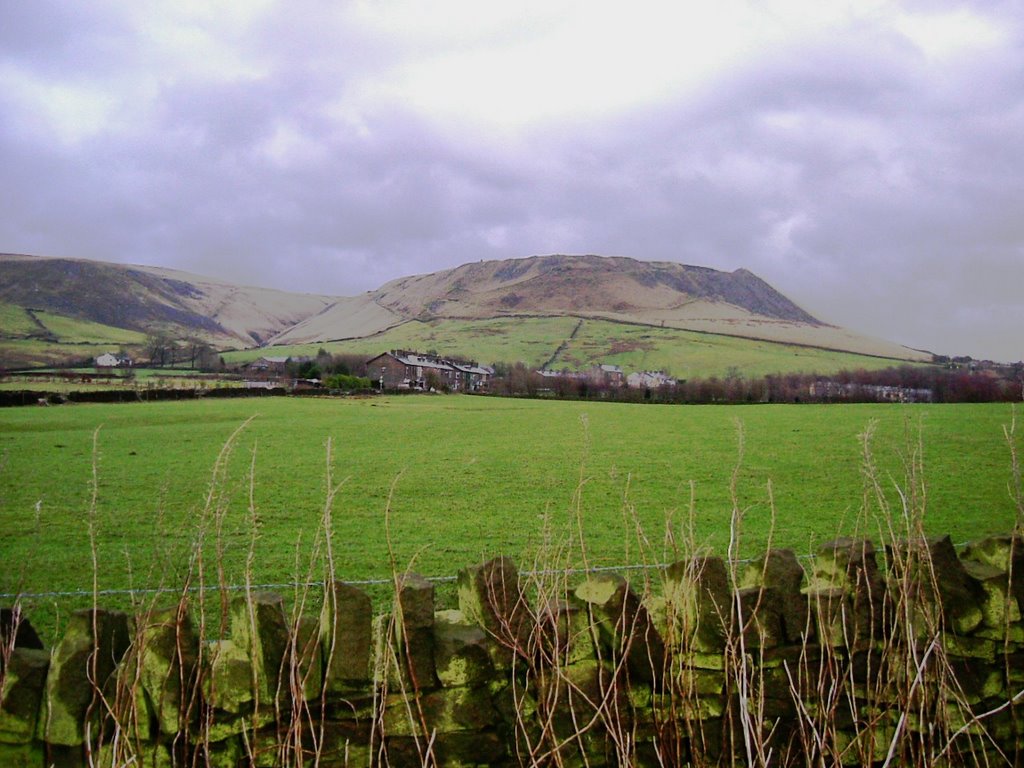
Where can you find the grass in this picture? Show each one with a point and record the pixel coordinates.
(74, 331)
(467, 478)
(142, 378)
(534, 341)
(688, 355)
(15, 321)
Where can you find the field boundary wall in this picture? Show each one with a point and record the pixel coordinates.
(912, 654)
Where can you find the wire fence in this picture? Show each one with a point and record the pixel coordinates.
(139, 591)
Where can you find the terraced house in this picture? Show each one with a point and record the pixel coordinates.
(401, 369)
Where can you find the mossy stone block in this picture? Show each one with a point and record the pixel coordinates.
(259, 628)
(445, 711)
(24, 681)
(346, 628)
(461, 651)
(780, 570)
(228, 682)
(491, 596)
(566, 632)
(167, 651)
(29, 755)
(623, 624)
(94, 642)
(698, 605)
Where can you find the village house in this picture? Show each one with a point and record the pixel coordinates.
(270, 364)
(608, 375)
(649, 380)
(110, 360)
(401, 369)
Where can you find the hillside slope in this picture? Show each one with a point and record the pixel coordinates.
(151, 299)
(148, 300)
(660, 294)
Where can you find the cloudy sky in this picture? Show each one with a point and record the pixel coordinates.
(866, 158)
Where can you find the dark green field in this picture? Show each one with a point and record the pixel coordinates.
(468, 477)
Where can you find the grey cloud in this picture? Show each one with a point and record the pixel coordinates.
(878, 189)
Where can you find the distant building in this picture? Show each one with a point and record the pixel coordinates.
(609, 375)
(271, 364)
(402, 369)
(110, 360)
(649, 380)
(832, 390)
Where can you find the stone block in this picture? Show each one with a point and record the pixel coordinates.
(147, 756)
(166, 650)
(304, 660)
(624, 625)
(346, 628)
(577, 694)
(999, 608)
(228, 682)
(698, 605)
(415, 631)
(447, 710)
(24, 680)
(760, 617)
(830, 615)
(1005, 553)
(491, 596)
(850, 565)
(461, 651)
(28, 755)
(567, 636)
(94, 642)
(942, 593)
(260, 630)
(780, 570)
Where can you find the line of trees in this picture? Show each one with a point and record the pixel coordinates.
(914, 383)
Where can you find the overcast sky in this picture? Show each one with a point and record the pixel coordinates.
(866, 159)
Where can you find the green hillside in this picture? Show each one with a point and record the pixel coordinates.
(30, 338)
(567, 342)
(69, 330)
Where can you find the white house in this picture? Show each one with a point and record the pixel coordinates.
(110, 360)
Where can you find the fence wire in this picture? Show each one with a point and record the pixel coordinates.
(354, 582)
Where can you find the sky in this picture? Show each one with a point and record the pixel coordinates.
(865, 158)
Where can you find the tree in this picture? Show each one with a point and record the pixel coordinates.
(160, 349)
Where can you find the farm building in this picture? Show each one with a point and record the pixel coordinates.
(401, 369)
(110, 360)
(649, 380)
(608, 375)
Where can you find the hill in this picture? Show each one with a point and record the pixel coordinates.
(659, 294)
(152, 299)
(55, 308)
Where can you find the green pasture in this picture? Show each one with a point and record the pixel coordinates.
(29, 353)
(15, 321)
(689, 355)
(534, 341)
(529, 339)
(74, 331)
(140, 378)
(461, 478)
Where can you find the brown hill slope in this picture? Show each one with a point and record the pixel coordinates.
(151, 299)
(582, 284)
(614, 288)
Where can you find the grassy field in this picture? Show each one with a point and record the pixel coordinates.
(534, 341)
(73, 331)
(23, 343)
(15, 321)
(141, 378)
(467, 478)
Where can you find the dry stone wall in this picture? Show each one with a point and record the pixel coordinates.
(911, 656)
